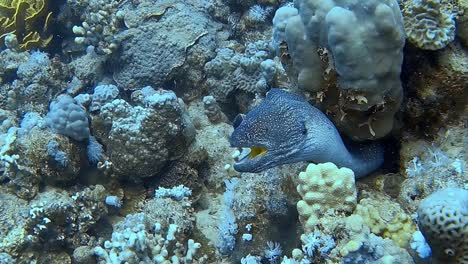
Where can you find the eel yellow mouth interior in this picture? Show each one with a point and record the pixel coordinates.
(257, 151)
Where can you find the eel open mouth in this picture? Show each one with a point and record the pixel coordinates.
(249, 153)
(257, 151)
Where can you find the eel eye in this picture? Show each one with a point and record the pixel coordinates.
(238, 120)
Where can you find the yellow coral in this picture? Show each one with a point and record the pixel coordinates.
(28, 20)
(386, 218)
(327, 191)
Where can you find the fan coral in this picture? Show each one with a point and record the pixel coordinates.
(28, 20)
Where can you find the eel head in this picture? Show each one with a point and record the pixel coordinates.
(274, 131)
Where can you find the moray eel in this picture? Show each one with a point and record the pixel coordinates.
(284, 128)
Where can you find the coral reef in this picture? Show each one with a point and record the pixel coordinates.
(154, 56)
(120, 142)
(437, 90)
(134, 241)
(100, 22)
(386, 218)
(250, 71)
(433, 165)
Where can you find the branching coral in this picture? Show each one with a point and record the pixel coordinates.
(28, 20)
(100, 22)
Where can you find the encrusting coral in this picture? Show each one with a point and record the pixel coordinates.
(28, 20)
(428, 24)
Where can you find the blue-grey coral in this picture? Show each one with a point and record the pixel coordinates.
(309, 135)
(363, 41)
(56, 154)
(233, 71)
(94, 150)
(68, 118)
(143, 138)
(443, 219)
(103, 93)
(148, 59)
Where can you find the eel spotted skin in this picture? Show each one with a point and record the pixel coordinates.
(284, 128)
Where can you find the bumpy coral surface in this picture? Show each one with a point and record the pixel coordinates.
(324, 187)
(386, 218)
(133, 241)
(443, 219)
(231, 71)
(428, 24)
(363, 42)
(114, 138)
(143, 139)
(358, 245)
(148, 59)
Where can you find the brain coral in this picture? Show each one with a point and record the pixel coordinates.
(428, 25)
(443, 219)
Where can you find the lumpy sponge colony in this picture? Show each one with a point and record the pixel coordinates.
(443, 219)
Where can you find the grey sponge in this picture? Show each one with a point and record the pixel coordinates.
(68, 118)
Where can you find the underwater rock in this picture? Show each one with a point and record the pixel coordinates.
(88, 69)
(436, 89)
(35, 164)
(143, 138)
(84, 255)
(148, 59)
(430, 165)
(166, 211)
(14, 212)
(212, 139)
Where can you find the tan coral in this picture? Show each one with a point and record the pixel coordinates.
(325, 190)
(428, 24)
